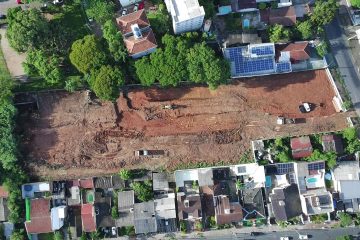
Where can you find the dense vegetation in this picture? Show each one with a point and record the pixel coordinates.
(11, 173)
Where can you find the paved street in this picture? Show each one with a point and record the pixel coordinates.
(346, 63)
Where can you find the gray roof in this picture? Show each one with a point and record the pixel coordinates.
(126, 199)
(349, 189)
(205, 177)
(165, 208)
(4, 211)
(286, 202)
(347, 170)
(144, 217)
(160, 181)
(103, 182)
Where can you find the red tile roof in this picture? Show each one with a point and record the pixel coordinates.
(40, 219)
(145, 43)
(227, 212)
(285, 16)
(298, 51)
(88, 218)
(3, 192)
(301, 147)
(87, 183)
(139, 18)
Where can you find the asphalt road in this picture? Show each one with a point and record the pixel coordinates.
(317, 234)
(345, 61)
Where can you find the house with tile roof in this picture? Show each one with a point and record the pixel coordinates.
(138, 37)
(299, 51)
(301, 147)
(285, 16)
(88, 217)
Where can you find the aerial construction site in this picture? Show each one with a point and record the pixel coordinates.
(73, 135)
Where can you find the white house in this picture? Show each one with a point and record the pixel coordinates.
(187, 15)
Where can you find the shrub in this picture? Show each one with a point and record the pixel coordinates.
(126, 174)
(143, 190)
(262, 6)
(345, 219)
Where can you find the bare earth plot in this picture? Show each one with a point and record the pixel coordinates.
(69, 137)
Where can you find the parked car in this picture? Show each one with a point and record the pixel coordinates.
(113, 231)
(2, 16)
(256, 233)
(305, 107)
(19, 2)
(303, 236)
(58, 2)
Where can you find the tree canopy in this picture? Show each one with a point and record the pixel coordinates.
(203, 66)
(107, 83)
(145, 71)
(100, 10)
(87, 54)
(278, 33)
(26, 28)
(159, 20)
(355, 3)
(46, 66)
(114, 40)
(324, 12)
(305, 29)
(143, 190)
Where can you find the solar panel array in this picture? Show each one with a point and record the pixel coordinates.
(316, 166)
(285, 168)
(283, 67)
(246, 65)
(263, 50)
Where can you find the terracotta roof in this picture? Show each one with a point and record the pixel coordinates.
(298, 51)
(139, 18)
(301, 147)
(285, 16)
(40, 220)
(3, 192)
(193, 208)
(87, 183)
(88, 218)
(135, 46)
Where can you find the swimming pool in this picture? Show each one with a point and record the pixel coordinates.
(312, 180)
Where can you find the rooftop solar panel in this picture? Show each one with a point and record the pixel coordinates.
(316, 166)
(282, 67)
(263, 50)
(284, 168)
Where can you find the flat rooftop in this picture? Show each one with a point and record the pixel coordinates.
(186, 9)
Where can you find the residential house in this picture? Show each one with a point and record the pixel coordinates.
(103, 210)
(165, 210)
(144, 218)
(186, 15)
(332, 143)
(4, 210)
(189, 206)
(301, 147)
(126, 202)
(112, 182)
(282, 191)
(315, 199)
(285, 16)
(35, 190)
(299, 51)
(347, 184)
(138, 37)
(256, 60)
(88, 217)
(43, 218)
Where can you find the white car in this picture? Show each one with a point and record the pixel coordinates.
(113, 231)
(284, 238)
(303, 236)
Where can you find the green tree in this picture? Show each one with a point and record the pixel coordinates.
(126, 174)
(159, 20)
(100, 10)
(26, 28)
(278, 33)
(73, 83)
(262, 5)
(115, 41)
(318, 219)
(345, 237)
(322, 48)
(48, 67)
(143, 190)
(209, 8)
(83, 236)
(18, 235)
(355, 3)
(351, 140)
(204, 66)
(183, 226)
(58, 235)
(282, 224)
(324, 12)
(146, 73)
(345, 219)
(107, 83)
(329, 157)
(95, 235)
(305, 30)
(87, 54)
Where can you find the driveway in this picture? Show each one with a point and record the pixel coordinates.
(346, 63)
(13, 59)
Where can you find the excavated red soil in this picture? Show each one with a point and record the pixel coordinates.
(72, 137)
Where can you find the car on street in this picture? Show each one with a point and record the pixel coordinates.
(303, 236)
(256, 233)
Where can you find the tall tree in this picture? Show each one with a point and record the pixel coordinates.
(107, 82)
(355, 3)
(87, 54)
(278, 33)
(100, 10)
(46, 66)
(115, 41)
(305, 30)
(204, 66)
(145, 72)
(324, 12)
(26, 28)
